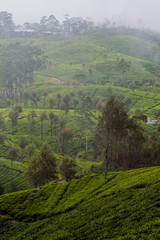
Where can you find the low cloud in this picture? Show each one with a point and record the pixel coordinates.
(145, 12)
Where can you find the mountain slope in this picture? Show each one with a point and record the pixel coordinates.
(124, 206)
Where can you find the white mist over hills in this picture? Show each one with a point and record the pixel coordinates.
(144, 13)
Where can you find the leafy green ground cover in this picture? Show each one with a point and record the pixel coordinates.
(12, 171)
(124, 206)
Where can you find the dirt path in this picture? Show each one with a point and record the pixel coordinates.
(59, 81)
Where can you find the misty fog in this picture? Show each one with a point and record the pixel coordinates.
(142, 13)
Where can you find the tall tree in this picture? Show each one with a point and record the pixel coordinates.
(45, 93)
(49, 24)
(29, 150)
(87, 115)
(18, 65)
(65, 135)
(13, 115)
(51, 116)
(51, 103)
(114, 128)
(22, 143)
(43, 117)
(122, 67)
(68, 168)
(6, 22)
(59, 97)
(66, 101)
(42, 167)
(31, 125)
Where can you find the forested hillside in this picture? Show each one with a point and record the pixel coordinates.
(54, 87)
(73, 108)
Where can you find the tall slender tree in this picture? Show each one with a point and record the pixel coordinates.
(114, 129)
(43, 117)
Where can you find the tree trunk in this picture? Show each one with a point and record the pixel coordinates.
(87, 141)
(106, 162)
(106, 154)
(51, 128)
(41, 130)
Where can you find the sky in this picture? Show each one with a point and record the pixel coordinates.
(146, 12)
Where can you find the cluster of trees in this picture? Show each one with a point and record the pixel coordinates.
(43, 167)
(75, 25)
(18, 65)
(51, 24)
(122, 133)
(6, 22)
(57, 125)
(121, 140)
(47, 24)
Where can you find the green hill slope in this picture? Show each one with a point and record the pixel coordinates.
(94, 59)
(85, 63)
(124, 206)
(12, 172)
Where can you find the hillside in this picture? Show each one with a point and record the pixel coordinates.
(86, 65)
(124, 206)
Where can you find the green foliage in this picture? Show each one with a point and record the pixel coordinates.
(12, 154)
(12, 171)
(118, 135)
(18, 64)
(42, 167)
(1, 189)
(18, 108)
(68, 168)
(22, 142)
(85, 66)
(13, 115)
(124, 206)
(2, 137)
(29, 149)
(66, 134)
(13, 187)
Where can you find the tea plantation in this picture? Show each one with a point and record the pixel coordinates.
(88, 67)
(124, 206)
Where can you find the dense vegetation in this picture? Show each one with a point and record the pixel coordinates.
(46, 90)
(60, 121)
(124, 206)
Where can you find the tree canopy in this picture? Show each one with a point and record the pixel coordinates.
(42, 167)
(118, 135)
(18, 64)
